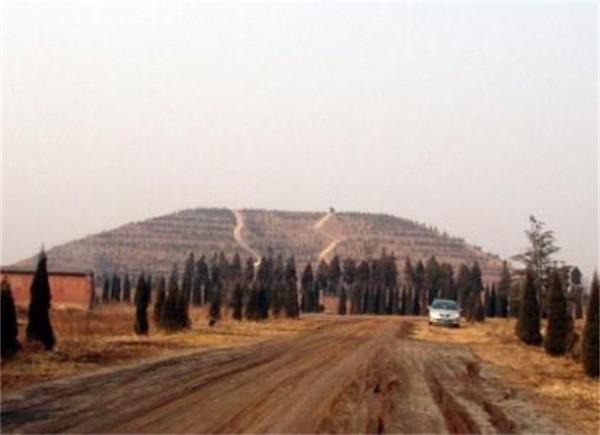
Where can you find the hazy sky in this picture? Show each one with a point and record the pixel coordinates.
(465, 116)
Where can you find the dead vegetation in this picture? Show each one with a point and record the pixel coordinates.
(558, 383)
(89, 340)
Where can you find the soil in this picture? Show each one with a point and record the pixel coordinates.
(351, 375)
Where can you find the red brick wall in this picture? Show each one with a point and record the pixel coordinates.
(73, 291)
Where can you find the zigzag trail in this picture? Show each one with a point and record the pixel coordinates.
(237, 234)
(334, 240)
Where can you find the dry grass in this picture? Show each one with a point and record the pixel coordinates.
(103, 337)
(558, 382)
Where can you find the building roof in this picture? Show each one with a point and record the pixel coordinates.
(51, 271)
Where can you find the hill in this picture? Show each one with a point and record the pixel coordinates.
(153, 245)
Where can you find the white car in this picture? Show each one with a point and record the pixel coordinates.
(444, 312)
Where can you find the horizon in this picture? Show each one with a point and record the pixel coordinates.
(465, 117)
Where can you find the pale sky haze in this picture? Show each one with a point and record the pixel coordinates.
(466, 116)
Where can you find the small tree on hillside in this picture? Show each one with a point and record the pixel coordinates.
(590, 343)
(38, 326)
(8, 329)
(528, 324)
(559, 329)
(142, 297)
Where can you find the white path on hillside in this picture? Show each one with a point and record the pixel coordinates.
(237, 234)
(334, 240)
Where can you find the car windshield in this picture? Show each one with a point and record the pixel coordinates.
(444, 305)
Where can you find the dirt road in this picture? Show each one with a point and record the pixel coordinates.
(238, 235)
(352, 375)
(325, 253)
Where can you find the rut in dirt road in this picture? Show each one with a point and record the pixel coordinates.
(352, 375)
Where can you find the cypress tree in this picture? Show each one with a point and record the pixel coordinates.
(197, 286)
(578, 292)
(187, 281)
(292, 309)
(238, 301)
(321, 276)
(169, 316)
(142, 296)
(9, 328)
(334, 273)
(38, 326)
(215, 305)
(115, 289)
(160, 300)
(486, 299)
(251, 310)
(149, 283)
(106, 290)
(203, 277)
(249, 270)
(182, 306)
(420, 290)
(432, 279)
(306, 284)
(528, 323)
(503, 291)
(279, 289)
(590, 343)
(475, 309)
(404, 302)
(559, 329)
(492, 302)
(126, 289)
(341, 310)
(447, 287)
(349, 278)
(236, 267)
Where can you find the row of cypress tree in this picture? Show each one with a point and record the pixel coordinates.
(559, 336)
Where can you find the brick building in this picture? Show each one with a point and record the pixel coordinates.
(68, 288)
